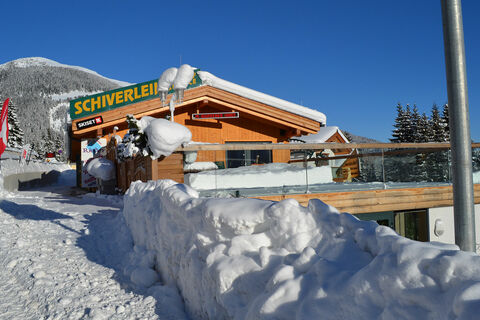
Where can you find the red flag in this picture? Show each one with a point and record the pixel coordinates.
(4, 126)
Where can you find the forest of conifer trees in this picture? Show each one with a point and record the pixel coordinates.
(418, 165)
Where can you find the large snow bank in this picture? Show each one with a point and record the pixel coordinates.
(268, 175)
(255, 259)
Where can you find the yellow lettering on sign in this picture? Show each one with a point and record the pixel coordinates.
(96, 102)
(103, 101)
(119, 97)
(155, 87)
(84, 105)
(128, 95)
(144, 90)
(77, 106)
(110, 98)
(135, 93)
(151, 88)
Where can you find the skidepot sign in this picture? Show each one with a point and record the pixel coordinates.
(117, 98)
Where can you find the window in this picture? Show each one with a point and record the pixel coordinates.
(239, 158)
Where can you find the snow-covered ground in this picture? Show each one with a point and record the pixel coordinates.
(69, 255)
(163, 252)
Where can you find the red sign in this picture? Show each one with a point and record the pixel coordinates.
(4, 126)
(215, 115)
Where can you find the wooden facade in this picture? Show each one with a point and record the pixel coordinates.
(381, 200)
(145, 169)
(257, 121)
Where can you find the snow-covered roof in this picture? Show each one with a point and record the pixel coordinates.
(213, 81)
(323, 135)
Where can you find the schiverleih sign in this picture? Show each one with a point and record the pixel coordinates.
(109, 100)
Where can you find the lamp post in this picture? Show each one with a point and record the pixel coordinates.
(463, 202)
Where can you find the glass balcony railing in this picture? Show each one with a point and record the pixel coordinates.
(269, 171)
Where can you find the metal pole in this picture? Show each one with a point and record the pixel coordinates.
(464, 210)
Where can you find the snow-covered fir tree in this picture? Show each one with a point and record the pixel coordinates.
(438, 126)
(422, 135)
(416, 125)
(399, 131)
(476, 159)
(134, 142)
(368, 171)
(409, 126)
(15, 133)
(49, 142)
(409, 129)
(437, 165)
(446, 122)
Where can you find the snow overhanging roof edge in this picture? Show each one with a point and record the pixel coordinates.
(213, 81)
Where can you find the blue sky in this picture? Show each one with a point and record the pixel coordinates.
(352, 60)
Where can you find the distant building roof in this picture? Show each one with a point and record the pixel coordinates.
(323, 135)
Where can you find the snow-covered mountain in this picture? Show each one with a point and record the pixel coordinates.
(41, 89)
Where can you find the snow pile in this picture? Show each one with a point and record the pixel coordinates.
(152, 136)
(255, 259)
(101, 168)
(179, 78)
(183, 77)
(199, 166)
(268, 175)
(164, 136)
(166, 79)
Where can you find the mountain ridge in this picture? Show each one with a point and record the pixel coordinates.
(41, 89)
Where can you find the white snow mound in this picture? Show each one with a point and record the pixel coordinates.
(101, 168)
(184, 76)
(166, 79)
(254, 259)
(164, 136)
